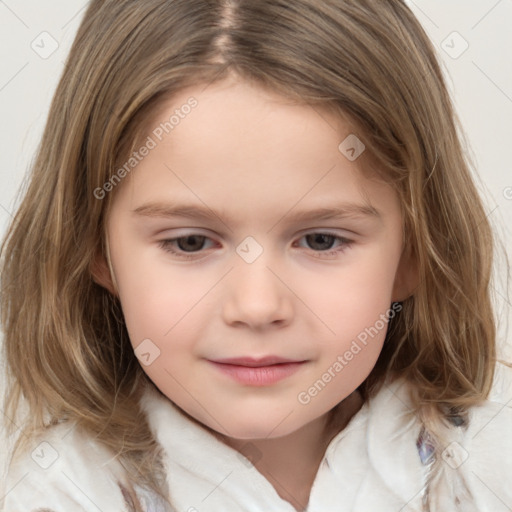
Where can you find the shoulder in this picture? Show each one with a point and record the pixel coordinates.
(64, 470)
(484, 453)
(486, 442)
(476, 457)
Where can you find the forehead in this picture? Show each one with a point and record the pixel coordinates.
(244, 147)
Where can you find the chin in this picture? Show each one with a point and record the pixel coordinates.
(254, 430)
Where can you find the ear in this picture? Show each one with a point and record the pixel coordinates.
(406, 277)
(101, 273)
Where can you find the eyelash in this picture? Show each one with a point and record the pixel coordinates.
(167, 244)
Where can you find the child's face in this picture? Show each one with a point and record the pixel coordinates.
(255, 286)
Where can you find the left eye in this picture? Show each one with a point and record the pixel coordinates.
(322, 241)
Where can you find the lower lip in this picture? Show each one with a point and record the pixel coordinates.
(260, 375)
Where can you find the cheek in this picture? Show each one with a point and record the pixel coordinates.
(352, 297)
(162, 321)
(158, 312)
(354, 307)
(154, 295)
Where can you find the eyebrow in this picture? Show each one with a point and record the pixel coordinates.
(200, 212)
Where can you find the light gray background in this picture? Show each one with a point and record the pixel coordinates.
(480, 79)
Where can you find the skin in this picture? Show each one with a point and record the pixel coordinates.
(256, 159)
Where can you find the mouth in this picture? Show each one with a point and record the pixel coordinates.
(257, 372)
(256, 362)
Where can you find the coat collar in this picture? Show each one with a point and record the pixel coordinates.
(378, 444)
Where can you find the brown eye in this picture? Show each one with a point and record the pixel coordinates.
(189, 246)
(191, 243)
(324, 245)
(320, 241)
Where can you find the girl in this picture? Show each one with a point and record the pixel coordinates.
(328, 342)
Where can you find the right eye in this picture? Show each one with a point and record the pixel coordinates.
(184, 246)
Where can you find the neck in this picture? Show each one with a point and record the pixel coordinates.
(290, 463)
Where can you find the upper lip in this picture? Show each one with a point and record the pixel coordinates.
(256, 362)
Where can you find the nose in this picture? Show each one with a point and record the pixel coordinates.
(256, 297)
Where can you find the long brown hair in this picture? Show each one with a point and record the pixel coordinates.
(66, 345)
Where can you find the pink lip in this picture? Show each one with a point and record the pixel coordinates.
(257, 372)
(255, 362)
